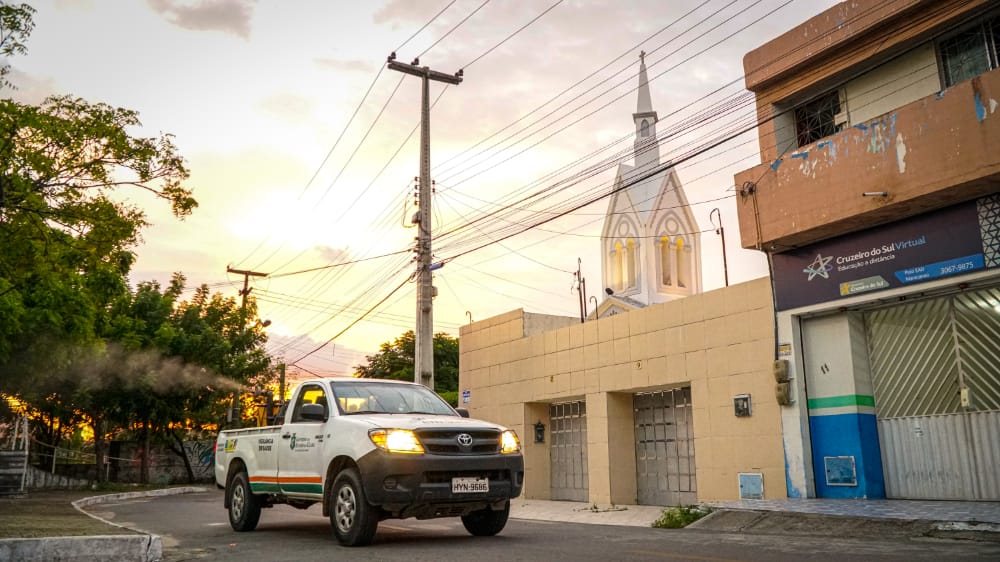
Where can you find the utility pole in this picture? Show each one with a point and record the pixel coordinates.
(581, 290)
(281, 384)
(247, 274)
(423, 364)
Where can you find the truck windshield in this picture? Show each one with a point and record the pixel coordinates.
(381, 398)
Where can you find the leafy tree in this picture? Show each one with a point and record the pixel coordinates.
(395, 361)
(16, 23)
(191, 356)
(68, 244)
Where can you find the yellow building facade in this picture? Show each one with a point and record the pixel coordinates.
(669, 404)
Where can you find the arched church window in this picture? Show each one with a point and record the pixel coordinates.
(665, 262)
(630, 264)
(618, 268)
(644, 128)
(683, 267)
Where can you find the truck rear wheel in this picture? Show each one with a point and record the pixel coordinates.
(244, 506)
(486, 522)
(354, 521)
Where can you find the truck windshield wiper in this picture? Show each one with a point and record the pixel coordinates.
(356, 412)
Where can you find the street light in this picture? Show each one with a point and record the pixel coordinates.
(721, 232)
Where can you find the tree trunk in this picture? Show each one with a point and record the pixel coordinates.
(144, 467)
(99, 444)
(177, 446)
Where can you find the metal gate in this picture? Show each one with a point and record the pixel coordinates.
(937, 395)
(568, 454)
(664, 448)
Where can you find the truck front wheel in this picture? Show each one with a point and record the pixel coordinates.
(244, 506)
(354, 521)
(486, 522)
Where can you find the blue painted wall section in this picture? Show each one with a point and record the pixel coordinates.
(848, 435)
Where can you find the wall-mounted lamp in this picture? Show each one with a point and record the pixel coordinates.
(875, 194)
(539, 432)
(721, 232)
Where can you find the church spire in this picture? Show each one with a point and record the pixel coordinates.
(647, 150)
(645, 104)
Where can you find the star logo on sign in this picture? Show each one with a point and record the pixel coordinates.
(820, 266)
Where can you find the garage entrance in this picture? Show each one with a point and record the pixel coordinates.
(568, 453)
(937, 395)
(664, 448)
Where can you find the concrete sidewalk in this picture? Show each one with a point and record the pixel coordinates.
(580, 512)
(644, 515)
(891, 519)
(138, 547)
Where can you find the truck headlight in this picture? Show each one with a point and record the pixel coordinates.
(396, 440)
(509, 442)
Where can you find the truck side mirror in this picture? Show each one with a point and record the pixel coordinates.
(462, 412)
(313, 412)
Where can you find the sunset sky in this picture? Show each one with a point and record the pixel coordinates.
(258, 93)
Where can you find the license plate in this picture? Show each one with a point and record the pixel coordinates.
(469, 485)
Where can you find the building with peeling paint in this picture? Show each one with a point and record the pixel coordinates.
(877, 203)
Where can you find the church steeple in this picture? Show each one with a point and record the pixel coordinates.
(645, 104)
(647, 150)
(651, 245)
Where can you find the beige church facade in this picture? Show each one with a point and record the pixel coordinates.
(665, 395)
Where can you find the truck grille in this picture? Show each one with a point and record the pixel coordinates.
(446, 441)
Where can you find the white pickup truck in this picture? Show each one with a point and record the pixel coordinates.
(369, 450)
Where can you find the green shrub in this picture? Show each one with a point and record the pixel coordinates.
(681, 516)
(450, 396)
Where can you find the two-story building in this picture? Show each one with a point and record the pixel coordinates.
(877, 204)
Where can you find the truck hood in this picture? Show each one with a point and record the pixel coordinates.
(418, 421)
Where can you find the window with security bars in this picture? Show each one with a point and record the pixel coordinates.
(970, 52)
(817, 119)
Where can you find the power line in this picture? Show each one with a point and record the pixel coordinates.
(675, 163)
(518, 30)
(351, 325)
(457, 25)
(423, 27)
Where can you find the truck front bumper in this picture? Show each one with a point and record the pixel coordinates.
(421, 485)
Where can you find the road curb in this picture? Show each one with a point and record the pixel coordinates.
(766, 522)
(143, 547)
(139, 548)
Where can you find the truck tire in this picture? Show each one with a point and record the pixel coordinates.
(354, 521)
(486, 522)
(244, 505)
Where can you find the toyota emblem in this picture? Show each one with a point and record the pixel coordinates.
(464, 439)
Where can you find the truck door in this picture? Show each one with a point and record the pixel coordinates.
(300, 454)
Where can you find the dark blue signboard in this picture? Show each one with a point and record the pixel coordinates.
(930, 246)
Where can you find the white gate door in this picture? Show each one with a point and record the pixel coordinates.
(664, 448)
(937, 395)
(568, 453)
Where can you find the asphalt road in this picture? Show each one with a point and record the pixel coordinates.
(195, 526)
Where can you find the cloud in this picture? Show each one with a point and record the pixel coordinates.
(344, 65)
(331, 254)
(290, 107)
(75, 4)
(30, 89)
(227, 16)
(397, 11)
